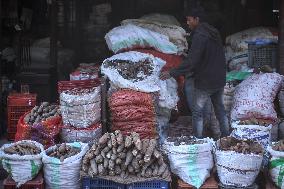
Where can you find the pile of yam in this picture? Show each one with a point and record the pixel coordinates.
(22, 149)
(124, 156)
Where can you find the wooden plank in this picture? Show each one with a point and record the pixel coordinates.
(210, 183)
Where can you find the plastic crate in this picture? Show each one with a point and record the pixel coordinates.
(262, 54)
(36, 183)
(17, 105)
(156, 184)
(96, 183)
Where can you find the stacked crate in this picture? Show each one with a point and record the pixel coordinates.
(17, 105)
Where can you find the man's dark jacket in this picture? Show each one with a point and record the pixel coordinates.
(206, 59)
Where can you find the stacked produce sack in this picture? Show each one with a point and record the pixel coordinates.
(41, 124)
(254, 97)
(238, 161)
(22, 160)
(176, 34)
(138, 37)
(276, 163)
(62, 164)
(237, 46)
(191, 159)
(140, 73)
(133, 111)
(125, 159)
(85, 72)
(80, 104)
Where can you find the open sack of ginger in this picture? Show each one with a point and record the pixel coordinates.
(125, 159)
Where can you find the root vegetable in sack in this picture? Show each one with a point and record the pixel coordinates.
(63, 151)
(42, 113)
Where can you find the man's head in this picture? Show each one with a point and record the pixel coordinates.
(194, 17)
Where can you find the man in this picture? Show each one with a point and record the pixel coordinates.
(206, 61)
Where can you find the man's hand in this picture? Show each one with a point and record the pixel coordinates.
(165, 75)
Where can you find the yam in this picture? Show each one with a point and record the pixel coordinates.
(148, 172)
(111, 164)
(106, 163)
(130, 169)
(162, 169)
(128, 141)
(104, 138)
(101, 169)
(121, 155)
(99, 159)
(117, 170)
(94, 166)
(136, 140)
(150, 150)
(113, 139)
(120, 148)
(145, 144)
(119, 137)
(118, 161)
(129, 157)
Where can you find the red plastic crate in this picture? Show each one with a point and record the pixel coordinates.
(36, 183)
(17, 105)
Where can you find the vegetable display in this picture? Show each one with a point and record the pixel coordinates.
(116, 155)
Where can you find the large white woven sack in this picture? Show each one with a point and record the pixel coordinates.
(22, 168)
(177, 35)
(258, 133)
(254, 97)
(66, 174)
(167, 89)
(238, 41)
(192, 163)
(129, 37)
(236, 169)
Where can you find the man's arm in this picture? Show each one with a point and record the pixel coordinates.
(193, 58)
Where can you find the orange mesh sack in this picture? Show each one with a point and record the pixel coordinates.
(44, 132)
(133, 111)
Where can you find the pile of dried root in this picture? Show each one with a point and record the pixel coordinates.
(125, 159)
(240, 146)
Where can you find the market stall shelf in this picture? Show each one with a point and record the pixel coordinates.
(36, 183)
(210, 183)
